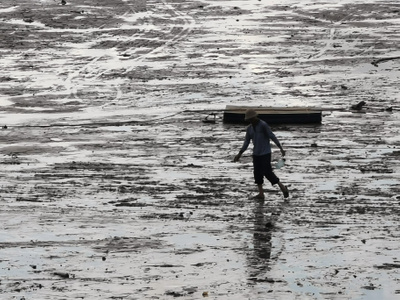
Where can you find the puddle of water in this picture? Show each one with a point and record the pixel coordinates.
(22, 262)
(10, 9)
(22, 22)
(191, 240)
(378, 293)
(5, 102)
(327, 186)
(389, 69)
(304, 273)
(137, 16)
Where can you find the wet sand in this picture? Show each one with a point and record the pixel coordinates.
(111, 186)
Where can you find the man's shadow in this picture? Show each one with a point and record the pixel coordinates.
(258, 258)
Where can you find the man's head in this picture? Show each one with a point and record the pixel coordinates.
(250, 115)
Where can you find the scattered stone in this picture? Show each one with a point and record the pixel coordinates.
(336, 271)
(62, 274)
(174, 294)
(359, 105)
(63, 2)
(369, 287)
(269, 280)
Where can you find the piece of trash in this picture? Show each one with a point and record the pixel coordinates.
(211, 119)
(205, 294)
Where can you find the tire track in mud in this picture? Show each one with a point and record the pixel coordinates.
(176, 33)
(332, 32)
(94, 74)
(184, 31)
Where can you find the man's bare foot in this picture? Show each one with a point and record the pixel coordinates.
(259, 197)
(285, 191)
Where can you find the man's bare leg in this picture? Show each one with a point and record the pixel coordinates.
(284, 189)
(260, 190)
(260, 195)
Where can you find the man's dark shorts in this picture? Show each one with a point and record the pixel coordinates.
(262, 167)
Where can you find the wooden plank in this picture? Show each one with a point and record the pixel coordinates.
(275, 115)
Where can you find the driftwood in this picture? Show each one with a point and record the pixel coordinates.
(381, 60)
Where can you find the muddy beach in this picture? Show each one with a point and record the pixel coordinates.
(112, 187)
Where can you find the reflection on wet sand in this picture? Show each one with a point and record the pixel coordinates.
(258, 258)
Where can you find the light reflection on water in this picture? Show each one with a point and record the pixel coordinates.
(5, 102)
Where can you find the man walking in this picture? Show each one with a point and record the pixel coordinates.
(260, 133)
